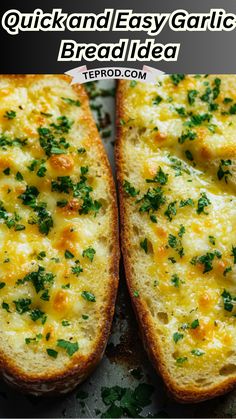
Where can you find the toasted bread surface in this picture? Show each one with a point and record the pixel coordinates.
(175, 157)
(59, 241)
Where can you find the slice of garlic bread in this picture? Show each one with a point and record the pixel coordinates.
(59, 242)
(175, 154)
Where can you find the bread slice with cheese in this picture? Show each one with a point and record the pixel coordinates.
(175, 157)
(58, 228)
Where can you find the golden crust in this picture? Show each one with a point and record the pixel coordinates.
(151, 341)
(80, 366)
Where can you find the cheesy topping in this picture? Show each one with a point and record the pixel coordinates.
(180, 149)
(54, 222)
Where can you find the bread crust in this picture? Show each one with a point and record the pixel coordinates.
(152, 342)
(80, 366)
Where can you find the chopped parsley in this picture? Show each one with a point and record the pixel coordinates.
(33, 340)
(181, 111)
(17, 142)
(206, 260)
(171, 211)
(178, 166)
(177, 336)
(188, 135)
(158, 99)
(66, 286)
(65, 323)
(175, 280)
(6, 306)
(222, 172)
(227, 270)
(126, 402)
(7, 171)
(234, 253)
(80, 189)
(216, 88)
(194, 324)
(29, 196)
(40, 279)
(181, 360)
(19, 227)
(129, 189)
(177, 78)
(50, 144)
(41, 255)
(189, 155)
(160, 177)
(63, 184)
(89, 296)
(62, 203)
(172, 241)
(133, 83)
(192, 94)
(22, 305)
(153, 218)
(38, 314)
(2, 285)
(176, 244)
(44, 218)
(45, 295)
(76, 270)
(203, 202)
(184, 203)
(152, 200)
(70, 347)
(10, 115)
(227, 100)
(52, 353)
(232, 109)
(198, 119)
(212, 240)
(144, 245)
(181, 231)
(63, 126)
(89, 253)
(32, 165)
(19, 176)
(69, 255)
(228, 300)
(41, 171)
(206, 97)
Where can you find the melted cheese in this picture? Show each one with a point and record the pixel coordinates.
(26, 105)
(196, 325)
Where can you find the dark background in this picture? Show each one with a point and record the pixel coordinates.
(36, 52)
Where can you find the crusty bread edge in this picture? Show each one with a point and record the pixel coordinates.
(80, 366)
(151, 342)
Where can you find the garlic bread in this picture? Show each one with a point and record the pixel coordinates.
(175, 156)
(59, 243)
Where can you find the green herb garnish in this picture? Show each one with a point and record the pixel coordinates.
(70, 347)
(89, 253)
(89, 296)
